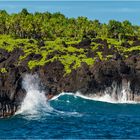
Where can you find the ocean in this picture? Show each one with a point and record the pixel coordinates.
(70, 116)
(73, 117)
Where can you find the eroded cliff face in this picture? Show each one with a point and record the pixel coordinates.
(11, 92)
(94, 79)
(115, 76)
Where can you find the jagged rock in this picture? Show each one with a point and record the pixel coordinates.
(93, 79)
(136, 43)
(84, 43)
(117, 56)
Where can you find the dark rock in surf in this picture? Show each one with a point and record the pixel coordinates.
(93, 79)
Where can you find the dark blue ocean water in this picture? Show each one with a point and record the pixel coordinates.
(101, 10)
(70, 116)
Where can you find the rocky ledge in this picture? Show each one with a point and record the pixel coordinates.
(115, 74)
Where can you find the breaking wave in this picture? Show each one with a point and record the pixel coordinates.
(35, 101)
(36, 104)
(104, 98)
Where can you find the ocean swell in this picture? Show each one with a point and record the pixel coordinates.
(36, 103)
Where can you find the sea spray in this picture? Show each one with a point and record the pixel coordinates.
(35, 104)
(116, 93)
(35, 101)
(104, 98)
(113, 94)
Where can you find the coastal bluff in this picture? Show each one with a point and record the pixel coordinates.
(68, 55)
(87, 79)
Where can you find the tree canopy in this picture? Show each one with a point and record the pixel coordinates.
(50, 26)
(42, 38)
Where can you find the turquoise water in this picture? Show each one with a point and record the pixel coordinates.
(70, 116)
(101, 10)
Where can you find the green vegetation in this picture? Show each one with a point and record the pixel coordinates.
(3, 70)
(71, 41)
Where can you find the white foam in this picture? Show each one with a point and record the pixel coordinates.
(35, 104)
(35, 100)
(114, 94)
(104, 98)
(62, 94)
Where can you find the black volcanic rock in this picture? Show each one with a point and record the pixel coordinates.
(88, 79)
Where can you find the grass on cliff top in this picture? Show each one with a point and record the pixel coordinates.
(65, 52)
(3, 70)
(9, 44)
(69, 56)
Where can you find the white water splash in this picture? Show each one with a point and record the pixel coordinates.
(114, 94)
(118, 94)
(35, 104)
(62, 94)
(35, 101)
(104, 98)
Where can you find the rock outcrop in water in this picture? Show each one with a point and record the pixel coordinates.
(95, 79)
(117, 77)
(68, 55)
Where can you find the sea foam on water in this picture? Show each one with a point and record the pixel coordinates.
(35, 100)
